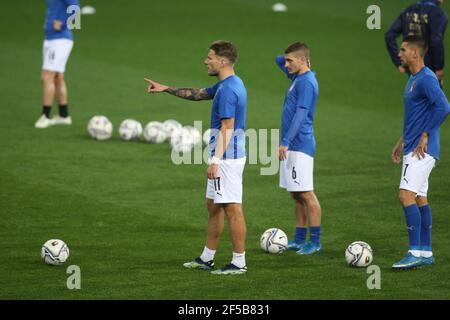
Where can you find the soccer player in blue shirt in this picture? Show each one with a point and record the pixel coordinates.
(227, 155)
(297, 147)
(57, 46)
(425, 19)
(426, 108)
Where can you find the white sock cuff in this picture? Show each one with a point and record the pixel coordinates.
(238, 259)
(237, 254)
(426, 254)
(207, 254)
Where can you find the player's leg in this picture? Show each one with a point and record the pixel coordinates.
(425, 226)
(48, 95)
(215, 227)
(238, 233)
(413, 179)
(301, 218)
(61, 97)
(63, 48)
(413, 223)
(228, 192)
(314, 212)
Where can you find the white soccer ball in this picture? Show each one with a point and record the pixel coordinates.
(100, 128)
(130, 129)
(170, 126)
(207, 136)
(196, 136)
(154, 132)
(55, 252)
(359, 254)
(274, 240)
(279, 7)
(87, 10)
(181, 140)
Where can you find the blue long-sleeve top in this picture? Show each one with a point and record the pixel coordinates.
(57, 10)
(426, 108)
(298, 111)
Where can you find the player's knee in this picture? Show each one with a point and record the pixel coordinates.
(421, 201)
(59, 79)
(306, 197)
(47, 76)
(233, 210)
(406, 198)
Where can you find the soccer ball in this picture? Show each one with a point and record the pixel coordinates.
(279, 7)
(55, 252)
(170, 126)
(207, 136)
(359, 254)
(274, 240)
(181, 140)
(196, 136)
(154, 132)
(100, 128)
(130, 129)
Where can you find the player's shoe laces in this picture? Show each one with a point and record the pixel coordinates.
(292, 245)
(310, 248)
(410, 261)
(199, 264)
(62, 120)
(230, 269)
(427, 261)
(43, 122)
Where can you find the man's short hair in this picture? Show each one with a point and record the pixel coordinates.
(419, 42)
(298, 46)
(225, 49)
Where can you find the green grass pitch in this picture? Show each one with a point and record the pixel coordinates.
(131, 217)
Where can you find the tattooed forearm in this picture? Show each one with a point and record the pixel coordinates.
(190, 93)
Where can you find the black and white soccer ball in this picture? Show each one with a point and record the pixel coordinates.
(154, 132)
(170, 126)
(130, 129)
(100, 128)
(274, 240)
(359, 254)
(55, 252)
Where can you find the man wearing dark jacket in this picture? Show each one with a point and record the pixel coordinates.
(427, 20)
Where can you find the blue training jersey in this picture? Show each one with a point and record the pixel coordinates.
(230, 101)
(57, 10)
(297, 117)
(426, 107)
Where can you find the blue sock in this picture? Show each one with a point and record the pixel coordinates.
(314, 234)
(425, 230)
(300, 235)
(412, 215)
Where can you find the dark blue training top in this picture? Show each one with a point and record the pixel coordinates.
(425, 19)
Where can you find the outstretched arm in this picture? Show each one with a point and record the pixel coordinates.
(185, 93)
(190, 93)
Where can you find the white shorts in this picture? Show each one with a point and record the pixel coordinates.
(56, 53)
(296, 172)
(415, 173)
(227, 186)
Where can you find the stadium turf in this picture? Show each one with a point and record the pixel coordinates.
(131, 217)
